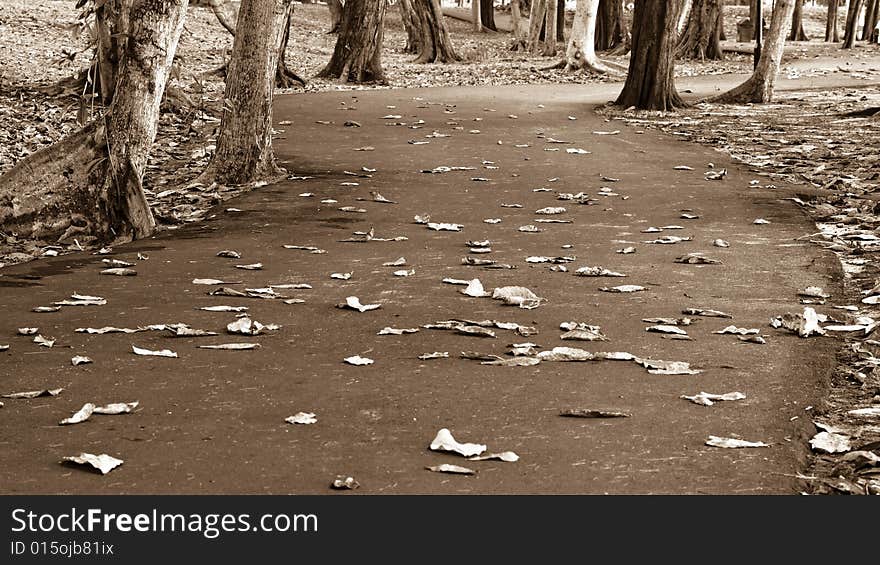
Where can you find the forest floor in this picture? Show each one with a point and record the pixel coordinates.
(813, 139)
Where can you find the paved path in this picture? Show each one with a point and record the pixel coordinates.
(214, 421)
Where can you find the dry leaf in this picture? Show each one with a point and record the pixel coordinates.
(623, 288)
(708, 399)
(565, 354)
(302, 418)
(517, 296)
(246, 326)
(434, 355)
(733, 443)
(357, 360)
(706, 313)
(341, 276)
(506, 456)
(354, 303)
(229, 253)
(399, 262)
(122, 272)
(28, 331)
(696, 259)
(591, 413)
(45, 309)
(444, 441)
(79, 360)
(597, 272)
(116, 408)
(515, 362)
(656, 367)
(103, 463)
(34, 393)
(827, 442)
(395, 331)
(666, 329)
(160, 353)
(232, 346)
(737, 331)
(344, 483)
(454, 469)
(224, 308)
(106, 330)
(250, 267)
(475, 289)
(80, 416)
(444, 227)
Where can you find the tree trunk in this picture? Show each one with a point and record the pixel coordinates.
(224, 14)
(537, 13)
(722, 36)
(649, 82)
(871, 17)
(358, 53)
(476, 14)
(852, 23)
(581, 52)
(519, 38)
(111, 21)
(487, 14)
(753, 15)
(832, 34)
(284, 76)
(335, 7)
(434, 43)
(759, 87)
(410, 24)
(90, 182)
(700, 39)
(609, 25)
(797, 23)
(560, 20)
(244, 147)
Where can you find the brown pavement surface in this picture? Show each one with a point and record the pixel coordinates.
(213, 421)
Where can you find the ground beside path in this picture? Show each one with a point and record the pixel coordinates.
(213, 421)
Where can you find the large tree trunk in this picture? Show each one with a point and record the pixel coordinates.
(358, 53)
(581, 52)
(609, 24)
(411, 25)
(90, 183)
(759, 87)
(700, 38)
(244, 147)
(649, 82)
(852, 23)
(871, 17)
(831, 31)
(542, 27)
(797, 23)
(487, 14)
(111, 21)
(335, 7)
(434, 43)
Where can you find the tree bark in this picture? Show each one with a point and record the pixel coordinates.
(759, 87)
(542, 27)
(284, 76)
(871, 16)
(832, 34)
(410, 24)
(90, 182)
(223, 15)
(649, 82)
(581, 53)
(753, 16)
(244, 147)
(519, 38)
(700, 38)
(797, 23)
(335, 7)
(852, 23)
(609, 25)
(357, 56)
(111, 21)
(560, 20)
(434, 44)
(476, 14)
(487, 14)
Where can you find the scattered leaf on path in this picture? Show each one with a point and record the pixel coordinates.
(453, 469)
(827, 442)
(357, 360)
(623, 288)
(737, 331)
(232, 346)
(34, 393)
(444, 441)
(395, 331)
(733, 443)
(120, 272)
(116, 408)
(354, 303)
(517, 296)
(344, 483)
(79, 360)
(706, 313)
(708, 399)
(161, 353)
(103, 462)
(434, 355)
(302, 418)
(80, 415)
(506, 456)
(591, 413)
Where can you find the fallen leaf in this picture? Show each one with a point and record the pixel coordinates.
(475, 289)
(80, 360)
(506, 456)
(302, 418)
(344, 483)
(761, 221)
(656, 367)
(444, 441)
(341, 276)
(708, 399)
(720, 243)
(566, 354)
(404, 273)
(827, 442)
(551, 210)
(45, 309)
(733, 443)
(515, 362)
(232, 346)
(43, 342)
(752, 339)
(453, 469)
(395, 331)
(121, 272)
(737, 331)
(623, 288)
(34, 393)
(444, 227)
(116, 408)
(160, 353)
(597, 272)
(804, 325)
(213, 282)
(103, 462)
(229, 253)
(358, 360)
(80, 416)
(592, 413)
(434, 355)
(399, 262)
(696, 259)
(627, 250)
(106, 330)
(354, 303)
(666, 329)
(705, 312)
(28, 331)
(517, 296)
(250, 267)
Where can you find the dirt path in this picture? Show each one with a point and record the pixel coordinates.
(213, 421)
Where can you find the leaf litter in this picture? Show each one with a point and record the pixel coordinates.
(354, 303)
(103, 462)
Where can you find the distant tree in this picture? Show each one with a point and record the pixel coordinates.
(871, 17)
(90, 183)
(759, 87)
(357, 56)
(487, 14)
(852, 23)
(609, 25)
(411, 24)
(542, 27)
(797, 23)
(244, 147)
(649, 82)
(831, 31)
(701, 38)
(581, 53)
(335, 7)
(433, 42)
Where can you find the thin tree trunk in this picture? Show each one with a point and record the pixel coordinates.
(581, 52)
(487, 14)
(852, 23)
(434, 43)
(722, 36)
(560, 20)
(797, 23)
(410, 24)
(832, 34)
(609, 24)
(222, 16)
(759, 87)
(476, 15)
(700, 38)
(519, 38)
(537, 13)
(335, 7)
(649, 82)
(91, 182)
(244, 147)
(284, 76)
(357, 56)
(549, 45)
(871, 16)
